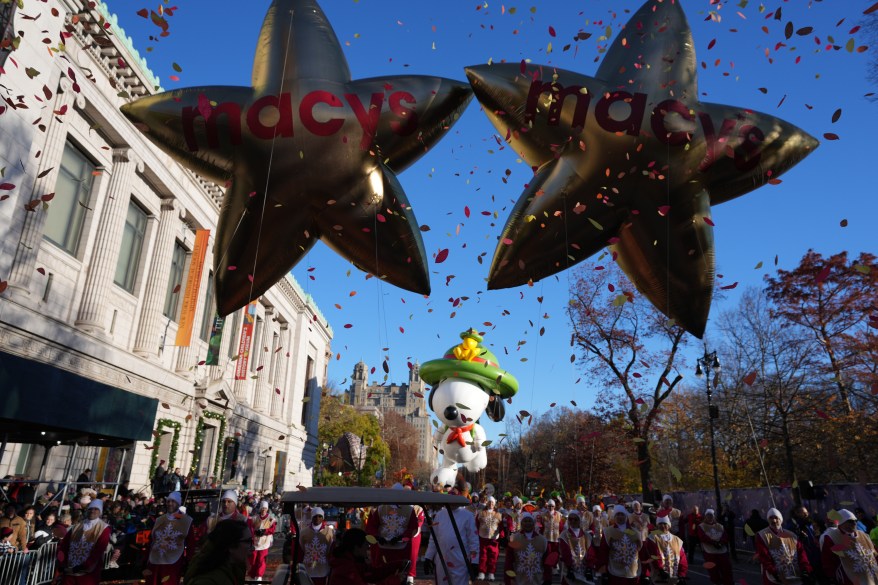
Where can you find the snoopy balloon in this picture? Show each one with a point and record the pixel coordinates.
(467, 382)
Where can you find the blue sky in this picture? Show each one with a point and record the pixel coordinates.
(799, 80)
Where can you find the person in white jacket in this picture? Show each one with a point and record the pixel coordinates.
(446, 540)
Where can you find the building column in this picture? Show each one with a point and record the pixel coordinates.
(280, 374)
(261, 399)
(146, 343)
(105, 255)
(25, 260)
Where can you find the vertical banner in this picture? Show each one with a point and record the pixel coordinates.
(193, 286)
(244, 342)
(215, 341)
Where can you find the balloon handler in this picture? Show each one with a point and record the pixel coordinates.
(467, 381)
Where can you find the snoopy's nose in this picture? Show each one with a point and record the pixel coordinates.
(450, 413)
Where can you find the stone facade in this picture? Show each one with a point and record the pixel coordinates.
(93, 303)
(407, 400)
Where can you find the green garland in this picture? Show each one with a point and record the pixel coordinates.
(199, 441)
(164, 423)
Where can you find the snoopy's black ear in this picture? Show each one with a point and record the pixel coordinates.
(495, 409)
(430, 398)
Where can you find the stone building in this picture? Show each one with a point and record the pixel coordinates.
(407, 400)
(97, 233)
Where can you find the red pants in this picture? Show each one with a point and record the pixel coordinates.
(721, 572)
(381, 557)
(551, 547)
(257, 563)
(165, 574)
(489, 550)
(415, 553)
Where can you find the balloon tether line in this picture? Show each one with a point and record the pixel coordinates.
(270, 162)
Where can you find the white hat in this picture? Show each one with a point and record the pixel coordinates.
(710, 512)
(99, 504)
(775, 512)
(551, 502)
(317, 512)
(263, 504)
(230, 495)
(663, 520)
(667, 497)
(620, 509)
(176, 497)
(844, 515)
(492, 500)
(580, 498)
(516, 500)
(527, 515)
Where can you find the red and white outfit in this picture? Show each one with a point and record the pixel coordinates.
(575, 544)
(267, 524)
(668, 510)
(667, 555)
(397, 529)
(171, 543)
(620, 552)
(640, 521)
(315, 543)
(524, 559)
(489, 524)
(714, 545)
(782, 557)
(512, 517)
(551, 526)
(81, 552)
(849, 558)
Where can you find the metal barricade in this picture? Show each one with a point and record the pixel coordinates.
(43, 567)
(14, 567)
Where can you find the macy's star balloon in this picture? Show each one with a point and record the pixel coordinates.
(629, 158)
(309, 153)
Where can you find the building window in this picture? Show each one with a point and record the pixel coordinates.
(233, 334)
(306, 401)
(256, 346)
(66, 215)
(208, 311)
(132, 245)
(175, 282)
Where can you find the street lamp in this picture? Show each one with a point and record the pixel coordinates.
(706, 364)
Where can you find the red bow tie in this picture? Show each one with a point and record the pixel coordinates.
(456, 434)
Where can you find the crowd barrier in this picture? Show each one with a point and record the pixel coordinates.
(34, 567)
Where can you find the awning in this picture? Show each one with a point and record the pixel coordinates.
(42, 404)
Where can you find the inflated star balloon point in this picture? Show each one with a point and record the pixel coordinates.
(629, 158)
(308, 154)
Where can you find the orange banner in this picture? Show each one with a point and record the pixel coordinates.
(193, 286)
(244, 342)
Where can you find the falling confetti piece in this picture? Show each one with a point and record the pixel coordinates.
(441, 256)
(750, 378)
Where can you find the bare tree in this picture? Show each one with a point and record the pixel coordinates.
(631, 350)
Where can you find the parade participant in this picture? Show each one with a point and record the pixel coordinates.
(349, 563)
(262, 526)
(575, 545)
(714, 547)
(315, 543)
(81, 552)
(223, 558)
(489, 523)
(667, 509)
(849, 557)
(171, 543)
(638, 520)
(512, 516)
(551, 525)
(597, 523)
(228, 510)
(781, 554)
(394, 527)
(667, 556)
(525, 554)
(585, 516)
(689, 531)
(474, 505)
(445, 540)
(620, 551)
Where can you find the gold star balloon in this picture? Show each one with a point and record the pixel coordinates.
(629, 158)
(308, 154)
